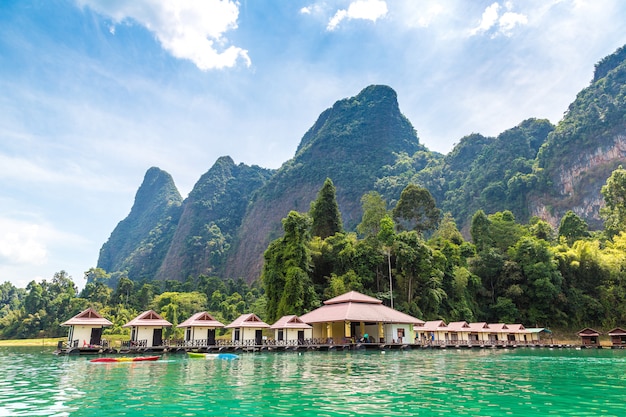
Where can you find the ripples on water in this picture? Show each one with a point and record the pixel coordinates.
(421, 382)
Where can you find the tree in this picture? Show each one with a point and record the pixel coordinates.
(479, 230)
(325, 212)
(374, 209)
(416, 210)
(386, 236)
(614, 193)
(288, 287)
(573, 227)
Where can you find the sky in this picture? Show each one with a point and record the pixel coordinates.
(94, 93)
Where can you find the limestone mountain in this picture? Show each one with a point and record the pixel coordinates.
(211, 216)
(364, 143)
(139, 243)
(350, 143)
(586, 146)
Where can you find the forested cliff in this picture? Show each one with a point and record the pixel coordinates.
(363, 144)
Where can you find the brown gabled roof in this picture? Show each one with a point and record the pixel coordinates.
(478, 327)
(202, 319)
(517, 328)
(354, 297)
(89, 317)
(618, 331)
(148, 318)
(459, 326)
(290, 322)
(587, 331)
(432, 326)
(248, 320)
(354, 306)
(498, 328)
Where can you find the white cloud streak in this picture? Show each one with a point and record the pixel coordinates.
(360, 9)
(500, 24)
(188, 29)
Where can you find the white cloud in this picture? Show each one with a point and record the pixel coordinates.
(22, 243)
(500, 24)
(188, 29)
(360, 9)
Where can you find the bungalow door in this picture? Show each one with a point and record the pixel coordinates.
(258, 337)
(157, 337)
(210, 337)
(300, 337)
(96, 336)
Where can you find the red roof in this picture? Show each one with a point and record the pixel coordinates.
(202, 319)
(354, 306)
(148, 318)
(248, 320)
(290, 322)
(89, 317)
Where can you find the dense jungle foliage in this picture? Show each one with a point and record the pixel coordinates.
(510, 272)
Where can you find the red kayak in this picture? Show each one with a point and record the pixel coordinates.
(124, 359)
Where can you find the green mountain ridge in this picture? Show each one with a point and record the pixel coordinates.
(365, 143)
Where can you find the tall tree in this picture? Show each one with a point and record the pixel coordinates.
(614, 193)
(288, 287)
(325, 212)
(573, 227)
(374, 209)
(416, 210)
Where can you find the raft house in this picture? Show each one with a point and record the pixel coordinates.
(589, 338)
(146, 333)
(247, 331)
(200, 330)
(618, 338)
(291, 331)
(85, 334)
(360, 321)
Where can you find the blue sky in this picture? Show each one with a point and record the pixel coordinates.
(93, 93)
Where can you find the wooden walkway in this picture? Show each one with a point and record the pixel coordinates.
(316, 345)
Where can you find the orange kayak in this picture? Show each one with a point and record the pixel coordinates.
(125, 359)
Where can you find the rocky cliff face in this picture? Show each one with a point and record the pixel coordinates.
(211, 217)
(138, 243)
(578, 185)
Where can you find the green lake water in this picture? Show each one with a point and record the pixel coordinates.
(485, 382)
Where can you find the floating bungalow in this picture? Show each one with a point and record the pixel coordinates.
(432, 332)
(291, 330)
(247, 330)
(459, 332)
(589, 337)
(538, 335)
(146, 331)
(200, 329)
(349, 317)
(478, 332)
(85, 334)
(618, 338)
